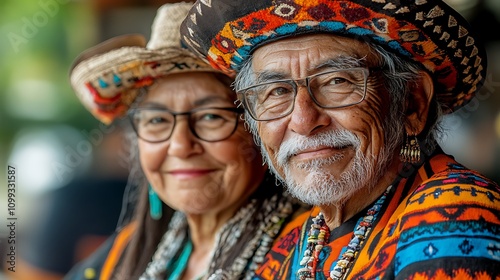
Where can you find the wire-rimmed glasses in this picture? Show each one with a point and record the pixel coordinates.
(331, 89)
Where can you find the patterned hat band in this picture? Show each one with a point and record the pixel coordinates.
(428, 32)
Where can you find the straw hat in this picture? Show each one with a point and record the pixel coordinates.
(428, 32)
(107, 77)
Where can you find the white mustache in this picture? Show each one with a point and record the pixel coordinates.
(332, 138)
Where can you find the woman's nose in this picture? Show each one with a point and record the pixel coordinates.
(182, 142)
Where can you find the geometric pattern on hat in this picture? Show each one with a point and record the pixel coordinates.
(226, 32)
(107, 77)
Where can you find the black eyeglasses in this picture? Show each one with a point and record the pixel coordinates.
(208, 124)
(332, 89)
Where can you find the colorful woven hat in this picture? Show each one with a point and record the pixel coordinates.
(430, 32)
(107, 77)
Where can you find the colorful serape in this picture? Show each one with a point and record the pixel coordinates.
(442, 222)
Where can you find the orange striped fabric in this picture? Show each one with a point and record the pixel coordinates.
(441, 222)
(121, 241)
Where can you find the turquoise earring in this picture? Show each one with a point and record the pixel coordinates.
(155, 208)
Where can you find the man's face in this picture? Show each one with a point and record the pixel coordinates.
(324, 155)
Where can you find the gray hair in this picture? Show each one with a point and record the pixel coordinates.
(396, 74)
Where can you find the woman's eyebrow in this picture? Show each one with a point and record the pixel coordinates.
(152, 104)
(211, 99)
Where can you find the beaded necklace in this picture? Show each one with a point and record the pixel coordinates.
(319, 234)
(271, 216)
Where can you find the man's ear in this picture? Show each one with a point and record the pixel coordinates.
(419, 100)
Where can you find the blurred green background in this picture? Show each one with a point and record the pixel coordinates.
(40, 39)
(42, 124)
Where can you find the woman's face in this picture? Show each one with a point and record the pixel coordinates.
(189, 174)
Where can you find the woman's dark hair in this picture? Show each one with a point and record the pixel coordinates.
(148, 232)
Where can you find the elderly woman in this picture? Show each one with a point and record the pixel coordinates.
(196, 158)
(345, 97)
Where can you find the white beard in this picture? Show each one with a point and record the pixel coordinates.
(320, 186)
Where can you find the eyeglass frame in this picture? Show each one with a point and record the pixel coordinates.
(305, 82)
(238, 110)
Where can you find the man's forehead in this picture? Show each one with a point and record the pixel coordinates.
(310, 53)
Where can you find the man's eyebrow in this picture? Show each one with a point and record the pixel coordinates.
(267, 75)
(339, 62)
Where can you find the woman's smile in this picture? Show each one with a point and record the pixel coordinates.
(189, 173)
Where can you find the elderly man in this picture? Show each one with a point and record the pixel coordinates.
(345, 99)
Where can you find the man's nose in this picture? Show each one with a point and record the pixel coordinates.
(307, 116)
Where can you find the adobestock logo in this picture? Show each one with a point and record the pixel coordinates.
(30, 26)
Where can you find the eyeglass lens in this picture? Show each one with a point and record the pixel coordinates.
(211, 124)
(332, 89)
